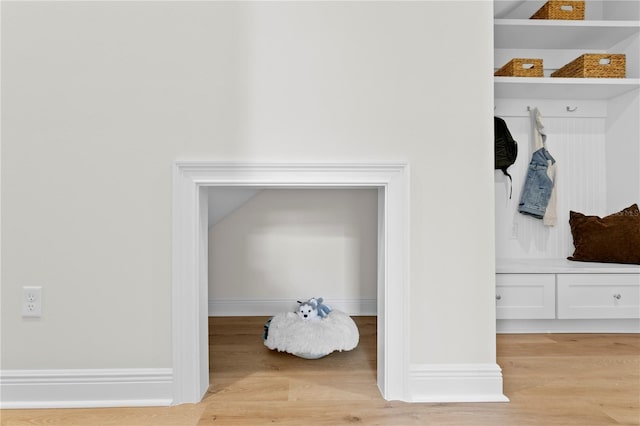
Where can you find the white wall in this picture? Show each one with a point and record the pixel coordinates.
(98, 99)
(623, 152)
(285, 245)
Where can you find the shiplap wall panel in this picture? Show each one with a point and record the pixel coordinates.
(578, 145)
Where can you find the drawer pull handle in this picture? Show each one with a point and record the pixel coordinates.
(498, 297)
(617, 296)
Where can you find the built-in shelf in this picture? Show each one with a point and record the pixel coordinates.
(595, 124)
(536, 35)
(556, 34)
(563, 88)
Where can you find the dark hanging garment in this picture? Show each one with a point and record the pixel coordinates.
(505, 148)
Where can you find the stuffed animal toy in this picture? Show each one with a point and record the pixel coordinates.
(313, 309)
(323, 310)
(307, 311)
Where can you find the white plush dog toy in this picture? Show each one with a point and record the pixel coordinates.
(307, 311)
(313, 309)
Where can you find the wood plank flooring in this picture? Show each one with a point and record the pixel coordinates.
(551, 379)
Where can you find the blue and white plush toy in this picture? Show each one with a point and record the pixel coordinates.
(313, 309)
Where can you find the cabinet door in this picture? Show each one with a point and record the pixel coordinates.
(582, 296)
(525, 296)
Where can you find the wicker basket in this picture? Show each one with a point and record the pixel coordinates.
(594, 65)
(561, 9)
(521, 67)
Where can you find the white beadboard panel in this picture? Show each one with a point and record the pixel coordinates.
(578, 145)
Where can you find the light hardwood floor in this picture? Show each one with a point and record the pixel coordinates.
(551, 379)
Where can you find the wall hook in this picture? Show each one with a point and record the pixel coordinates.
(571, 109)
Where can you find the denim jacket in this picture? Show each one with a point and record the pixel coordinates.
(538, 195)
(537, 186)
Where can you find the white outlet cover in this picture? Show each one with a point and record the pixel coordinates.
(32, 302)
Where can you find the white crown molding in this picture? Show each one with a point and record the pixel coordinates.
(456, 383)
(269, 307)
(79, 388)
(191, 179)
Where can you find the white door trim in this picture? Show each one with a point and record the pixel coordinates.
(189, 281)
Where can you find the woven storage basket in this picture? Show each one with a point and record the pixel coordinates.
(561, 9)
(521, 67)
(594, 65)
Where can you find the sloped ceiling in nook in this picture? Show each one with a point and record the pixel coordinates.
(225, 200)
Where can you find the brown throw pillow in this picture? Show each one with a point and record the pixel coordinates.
(611, 239)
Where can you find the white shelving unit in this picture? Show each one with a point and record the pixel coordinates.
(532, 268)
(549, 34)
(563, 88)
(559, 42)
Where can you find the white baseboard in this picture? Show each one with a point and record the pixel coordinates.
(23, 389)
(523, 326)
(269, 307)
(86, 388)
(456, 383)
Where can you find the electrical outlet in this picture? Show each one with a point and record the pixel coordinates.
(31, 301)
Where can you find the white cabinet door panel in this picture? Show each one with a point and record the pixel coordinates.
(583, 296)
(525, 296)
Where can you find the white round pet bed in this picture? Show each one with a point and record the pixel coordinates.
(287, 332)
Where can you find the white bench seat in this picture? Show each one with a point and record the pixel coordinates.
(559, 295)
(561, 266)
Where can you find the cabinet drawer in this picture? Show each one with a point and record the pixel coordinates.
(525, 296)
(583, 296)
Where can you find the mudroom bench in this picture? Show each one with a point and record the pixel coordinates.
(561, 296)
